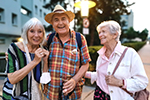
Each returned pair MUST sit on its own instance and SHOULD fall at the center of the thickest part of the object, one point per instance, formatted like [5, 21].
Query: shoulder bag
[35, 87]
[140, 95]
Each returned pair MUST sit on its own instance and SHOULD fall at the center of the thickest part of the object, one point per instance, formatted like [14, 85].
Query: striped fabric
[64, 63]
[17, 59]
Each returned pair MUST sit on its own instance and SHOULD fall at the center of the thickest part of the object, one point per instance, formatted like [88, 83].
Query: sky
[141, 19]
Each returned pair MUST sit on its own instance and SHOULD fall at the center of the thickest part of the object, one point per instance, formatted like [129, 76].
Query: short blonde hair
[29, 24]
[113, 27]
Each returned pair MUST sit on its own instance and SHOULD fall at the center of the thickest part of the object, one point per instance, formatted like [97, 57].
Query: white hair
[29, 24]
[113, 27]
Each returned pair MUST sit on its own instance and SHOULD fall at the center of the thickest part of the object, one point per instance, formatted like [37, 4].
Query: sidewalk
[88, 91]
[145, 56]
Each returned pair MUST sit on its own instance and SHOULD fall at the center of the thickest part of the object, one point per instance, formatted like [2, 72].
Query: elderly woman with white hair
[24, 66]
[130, 74]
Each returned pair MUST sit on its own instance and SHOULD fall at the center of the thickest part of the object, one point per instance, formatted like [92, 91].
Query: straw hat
[59, 9]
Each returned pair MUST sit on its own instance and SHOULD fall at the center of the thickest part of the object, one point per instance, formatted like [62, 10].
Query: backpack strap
[79, 42]
[78, 38]
[50, 39]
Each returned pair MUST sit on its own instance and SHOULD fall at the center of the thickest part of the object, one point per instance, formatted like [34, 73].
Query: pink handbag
[142, 95]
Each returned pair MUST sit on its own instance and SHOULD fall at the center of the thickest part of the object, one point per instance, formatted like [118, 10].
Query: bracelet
[122, 83]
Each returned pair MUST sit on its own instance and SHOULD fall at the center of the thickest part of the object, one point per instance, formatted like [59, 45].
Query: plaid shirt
[64, 63]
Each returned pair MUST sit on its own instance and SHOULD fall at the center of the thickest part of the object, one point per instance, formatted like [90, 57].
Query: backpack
[78, 38]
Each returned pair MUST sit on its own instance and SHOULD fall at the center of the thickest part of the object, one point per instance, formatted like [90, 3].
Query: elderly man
[65, 57]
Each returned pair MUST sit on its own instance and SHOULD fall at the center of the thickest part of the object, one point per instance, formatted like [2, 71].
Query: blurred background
[132, 15]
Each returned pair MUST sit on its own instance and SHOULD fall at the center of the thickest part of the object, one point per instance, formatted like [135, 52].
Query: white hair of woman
[29, 24]
[113, 27]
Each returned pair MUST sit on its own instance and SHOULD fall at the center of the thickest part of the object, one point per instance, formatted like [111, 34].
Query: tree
[143, 35]
[131, 33]
[53, 3]
[104, 10]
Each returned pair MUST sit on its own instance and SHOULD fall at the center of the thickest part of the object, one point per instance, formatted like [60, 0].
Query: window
[14, 19]
[40, 13]
[1, 15]
[44, 14]
[36, 9]
[25, 11]
[2, 41]
[44, 1]
[14, 40]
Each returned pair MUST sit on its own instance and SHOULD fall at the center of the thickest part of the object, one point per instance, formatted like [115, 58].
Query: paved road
[88, 91]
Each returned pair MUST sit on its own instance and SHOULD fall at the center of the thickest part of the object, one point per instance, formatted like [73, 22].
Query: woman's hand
[111, 80]
[18, 75]
[46, 55]
[6, 56]
[39, 54]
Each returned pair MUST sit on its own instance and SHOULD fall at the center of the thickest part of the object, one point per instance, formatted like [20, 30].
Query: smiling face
[35, 35]
[105, 36]
[60, 22]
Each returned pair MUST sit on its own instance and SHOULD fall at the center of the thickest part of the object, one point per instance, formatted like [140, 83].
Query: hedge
[2, 53]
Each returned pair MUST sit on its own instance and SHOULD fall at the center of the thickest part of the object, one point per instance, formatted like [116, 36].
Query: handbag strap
[27, 51]
[117, 65]
[119, 61]
[28, 56]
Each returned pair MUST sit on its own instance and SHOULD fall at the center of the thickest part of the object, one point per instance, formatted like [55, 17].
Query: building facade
[13, 15]
[128, 19]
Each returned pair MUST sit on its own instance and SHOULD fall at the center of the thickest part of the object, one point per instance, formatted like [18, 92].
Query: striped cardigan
[17, 59]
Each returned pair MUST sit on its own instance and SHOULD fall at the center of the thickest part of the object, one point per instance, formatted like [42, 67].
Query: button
[111, 91]
[110, 63]
[108, 73]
